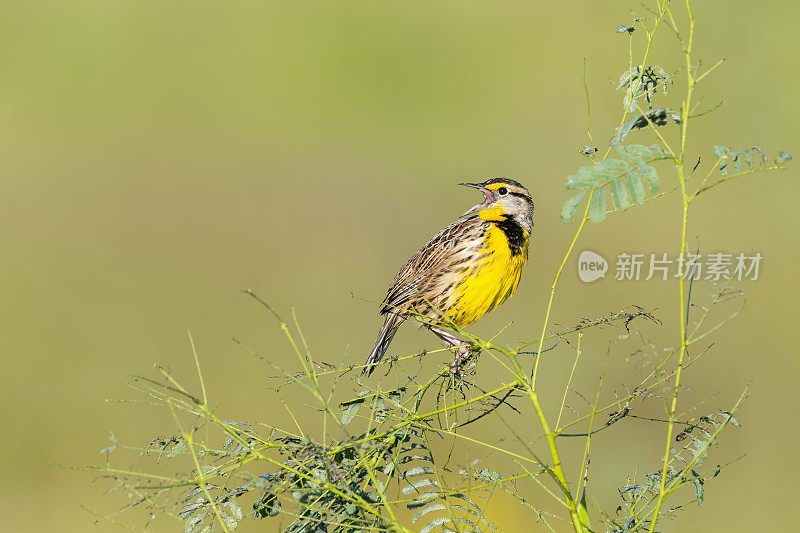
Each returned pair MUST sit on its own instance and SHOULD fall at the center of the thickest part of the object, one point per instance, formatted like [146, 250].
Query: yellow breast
[491, 280]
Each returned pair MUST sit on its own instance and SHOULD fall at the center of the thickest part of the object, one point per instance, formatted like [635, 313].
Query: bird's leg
[462, 348]
[447, 337]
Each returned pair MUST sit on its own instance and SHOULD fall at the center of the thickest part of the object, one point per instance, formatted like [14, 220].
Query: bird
[466, 270]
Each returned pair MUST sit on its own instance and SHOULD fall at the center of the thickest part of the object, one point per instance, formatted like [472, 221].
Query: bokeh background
[158, 156]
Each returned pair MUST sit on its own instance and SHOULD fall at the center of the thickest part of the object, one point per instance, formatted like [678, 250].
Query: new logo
[591, 266]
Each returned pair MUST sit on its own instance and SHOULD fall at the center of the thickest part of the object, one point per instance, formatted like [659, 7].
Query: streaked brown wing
[412, 280]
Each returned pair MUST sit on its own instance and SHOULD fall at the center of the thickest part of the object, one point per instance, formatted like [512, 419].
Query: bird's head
[504, 198]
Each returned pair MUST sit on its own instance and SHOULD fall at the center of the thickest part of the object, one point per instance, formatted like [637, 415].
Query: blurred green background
[158, 156]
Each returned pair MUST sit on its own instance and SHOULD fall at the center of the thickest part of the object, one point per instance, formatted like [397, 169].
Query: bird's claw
[463, 354]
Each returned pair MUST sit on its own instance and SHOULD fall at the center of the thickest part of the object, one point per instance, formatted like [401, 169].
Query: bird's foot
[455, 366]
[464, 355]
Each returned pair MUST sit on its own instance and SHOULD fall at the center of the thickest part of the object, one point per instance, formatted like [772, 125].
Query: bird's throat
[514, 232]
[492, 214]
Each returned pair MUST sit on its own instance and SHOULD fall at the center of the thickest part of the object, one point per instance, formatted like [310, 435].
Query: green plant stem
[557, 470]
[686, 200]
[578, 352]
[553, 290]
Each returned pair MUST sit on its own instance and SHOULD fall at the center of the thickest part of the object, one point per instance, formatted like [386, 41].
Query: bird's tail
[385, 337]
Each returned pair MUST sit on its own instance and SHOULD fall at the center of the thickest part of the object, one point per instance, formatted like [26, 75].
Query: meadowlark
[466, 270]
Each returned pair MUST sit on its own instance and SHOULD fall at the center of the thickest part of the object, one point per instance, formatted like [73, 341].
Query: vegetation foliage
[390, 466]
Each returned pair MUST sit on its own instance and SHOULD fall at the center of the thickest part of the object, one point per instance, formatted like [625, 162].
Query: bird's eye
[502, 190]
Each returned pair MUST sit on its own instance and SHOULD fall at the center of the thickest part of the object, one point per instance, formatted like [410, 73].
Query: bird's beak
[486, 192]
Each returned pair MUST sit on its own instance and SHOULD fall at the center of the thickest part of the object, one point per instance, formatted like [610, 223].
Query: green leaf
[379, 409]
[583, 179]
[436, 523]
[418, 486]
[660, 152]
[635, 153]
[659, 117]
[739, 157]
[699, 491]
[610, 169]
[762, 154]
[721, 151]
[583, 512]
[620, 194]
[268, 505]
[570, 207]
[635, 187]
[419, 471]
[488, 475]
[650, 176]
[731, 420]
[593, 176]
[178, 448]
[783, 157]
[350, 409]
[597, 205]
